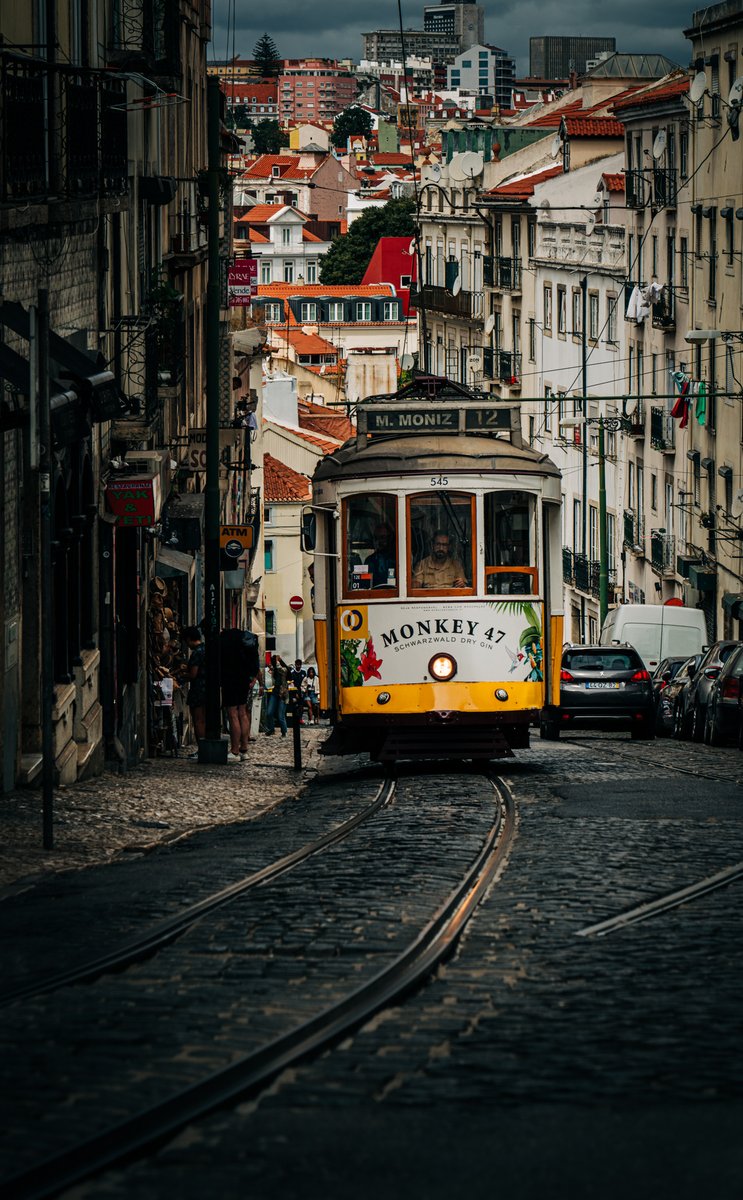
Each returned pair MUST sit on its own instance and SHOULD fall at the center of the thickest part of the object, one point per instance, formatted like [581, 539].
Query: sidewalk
[159, 801]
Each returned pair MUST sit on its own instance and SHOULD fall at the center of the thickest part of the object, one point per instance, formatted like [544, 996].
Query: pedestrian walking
[196, 675]
[311, 695]
[239, 665]
[276, 707]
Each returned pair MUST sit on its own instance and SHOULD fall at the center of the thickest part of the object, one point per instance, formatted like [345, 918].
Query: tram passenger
[440, 570]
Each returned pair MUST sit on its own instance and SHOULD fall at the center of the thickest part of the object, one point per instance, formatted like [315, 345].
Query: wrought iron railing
[662, 552]
[662, 429]
[665, 187]
[634, 530]
[438, 299]
[509, 368]
[508, 273]
[635, 189]
[664, 312]
[568, 570]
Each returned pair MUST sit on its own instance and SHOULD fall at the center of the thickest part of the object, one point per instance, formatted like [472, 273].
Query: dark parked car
[693, 700]
[722, 723]
[662, 676]
[676, 691]
[603, 687]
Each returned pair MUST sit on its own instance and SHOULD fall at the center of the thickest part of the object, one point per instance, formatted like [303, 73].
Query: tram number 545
[439, 481]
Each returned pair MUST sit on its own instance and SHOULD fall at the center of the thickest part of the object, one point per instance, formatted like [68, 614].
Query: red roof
[259, 214]
[521, 189]
[390, 158]
[307, 343]
[281, 484]
[550, 118]
[644, 97]
[328, 421]
[326, 444]
[613, 182]
[579, 126]
[288, 165]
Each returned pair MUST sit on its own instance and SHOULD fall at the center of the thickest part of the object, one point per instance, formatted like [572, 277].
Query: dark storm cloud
[334, 27]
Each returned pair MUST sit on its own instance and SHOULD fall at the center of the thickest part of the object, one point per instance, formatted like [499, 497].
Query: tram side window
[371, 542]
[440, 542]
[510, 558]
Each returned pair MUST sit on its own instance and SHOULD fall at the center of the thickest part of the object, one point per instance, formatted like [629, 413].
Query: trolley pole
[213, 748]
[584, 445]
[603, 561]
[296, 729]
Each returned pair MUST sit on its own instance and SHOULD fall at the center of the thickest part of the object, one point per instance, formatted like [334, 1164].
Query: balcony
[581, 572]
[488, 270]
[146, 36]
[662, 552]
[508, 274]
[468, 305]
[664, 312]
[662, 430]
[586, 575]
[568, 569]
[665, 187]
[636, 189]
[509, 368]
[634, 423]
[634, 531]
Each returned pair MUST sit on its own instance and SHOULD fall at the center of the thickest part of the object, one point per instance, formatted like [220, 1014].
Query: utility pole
[603, 560]
[212, 748]
[45, 558]
[584, 445]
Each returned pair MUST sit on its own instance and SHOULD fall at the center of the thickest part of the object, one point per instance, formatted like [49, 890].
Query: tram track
[644, 760]
[140, 1133]
[164, 933]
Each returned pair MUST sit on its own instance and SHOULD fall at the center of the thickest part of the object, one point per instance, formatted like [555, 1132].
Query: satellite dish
[456, 171]
[590, 223]
[735, 100]
[736, 506]
[736, 92]
[407, 361]
[433, 174]
[698, 87]
[659, 145]
[630, 406]
[456, 287]
[598, 199]
[490, 324]
[471, 164]
[556, 147]
[475, 364]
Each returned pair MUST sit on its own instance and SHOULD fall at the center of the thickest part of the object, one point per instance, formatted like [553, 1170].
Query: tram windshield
[440, 543]
[371, 542]
[510, 556]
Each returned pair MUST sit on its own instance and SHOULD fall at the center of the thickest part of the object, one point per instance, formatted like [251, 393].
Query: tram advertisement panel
[395, 643]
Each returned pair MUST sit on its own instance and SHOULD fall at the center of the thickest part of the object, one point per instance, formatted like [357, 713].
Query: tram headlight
[442, 667]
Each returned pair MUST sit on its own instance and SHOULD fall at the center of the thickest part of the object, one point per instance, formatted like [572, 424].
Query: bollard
[296, 729]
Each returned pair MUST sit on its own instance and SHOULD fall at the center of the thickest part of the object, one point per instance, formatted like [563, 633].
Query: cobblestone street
[163, 799]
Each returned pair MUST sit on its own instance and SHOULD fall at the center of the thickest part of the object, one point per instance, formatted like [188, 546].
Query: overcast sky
[333, 28]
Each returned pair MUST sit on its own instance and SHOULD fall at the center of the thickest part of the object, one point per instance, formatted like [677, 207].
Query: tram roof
[433, 452]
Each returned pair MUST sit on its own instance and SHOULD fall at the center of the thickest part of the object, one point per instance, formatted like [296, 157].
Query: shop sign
[242, 282]
[234, 540]
[229, 440]
[134, 501]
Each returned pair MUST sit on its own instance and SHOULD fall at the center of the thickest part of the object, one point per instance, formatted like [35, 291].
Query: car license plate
[603, 685]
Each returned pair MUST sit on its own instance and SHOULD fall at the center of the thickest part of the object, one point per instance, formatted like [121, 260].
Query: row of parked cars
[609, 687]
[701, 698]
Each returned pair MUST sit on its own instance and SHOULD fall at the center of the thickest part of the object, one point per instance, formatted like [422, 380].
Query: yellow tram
[438, 578]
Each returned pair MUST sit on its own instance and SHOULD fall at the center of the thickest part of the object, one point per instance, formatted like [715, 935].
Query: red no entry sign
[296, 604]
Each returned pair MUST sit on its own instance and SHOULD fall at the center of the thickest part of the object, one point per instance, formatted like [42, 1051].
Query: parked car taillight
[731, 688]
[565, 676]
[640, 677]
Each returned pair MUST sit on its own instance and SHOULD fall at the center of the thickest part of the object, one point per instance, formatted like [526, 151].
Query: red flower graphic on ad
[369, 662]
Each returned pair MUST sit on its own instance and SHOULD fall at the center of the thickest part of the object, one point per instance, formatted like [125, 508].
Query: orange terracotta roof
[259, 214]
[550, 117]
[255, 236]
[613, 182]
[326, 444]
[307, 343]
[310, 237]
[281, 484]
[580, 126]
[523, 188]
[319, 419]
[644, 97]
[389, 158]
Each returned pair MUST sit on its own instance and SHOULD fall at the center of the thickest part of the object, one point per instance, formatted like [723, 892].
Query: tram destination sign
[451, 419]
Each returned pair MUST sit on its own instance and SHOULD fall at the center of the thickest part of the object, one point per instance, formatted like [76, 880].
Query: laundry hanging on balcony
[700, 403]
[641, 301]
[680, 410]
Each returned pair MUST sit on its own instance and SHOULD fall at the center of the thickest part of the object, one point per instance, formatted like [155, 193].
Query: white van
[656, 631]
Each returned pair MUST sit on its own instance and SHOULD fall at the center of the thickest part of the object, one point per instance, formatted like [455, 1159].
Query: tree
[266, 57]
[353, 120]
[240, 118]
[267, 137]
[350, 254]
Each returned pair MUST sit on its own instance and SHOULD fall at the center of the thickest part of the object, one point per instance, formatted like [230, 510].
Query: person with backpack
[239, 665]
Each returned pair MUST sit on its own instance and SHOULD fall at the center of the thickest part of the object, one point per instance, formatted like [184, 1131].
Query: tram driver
[440, 569]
